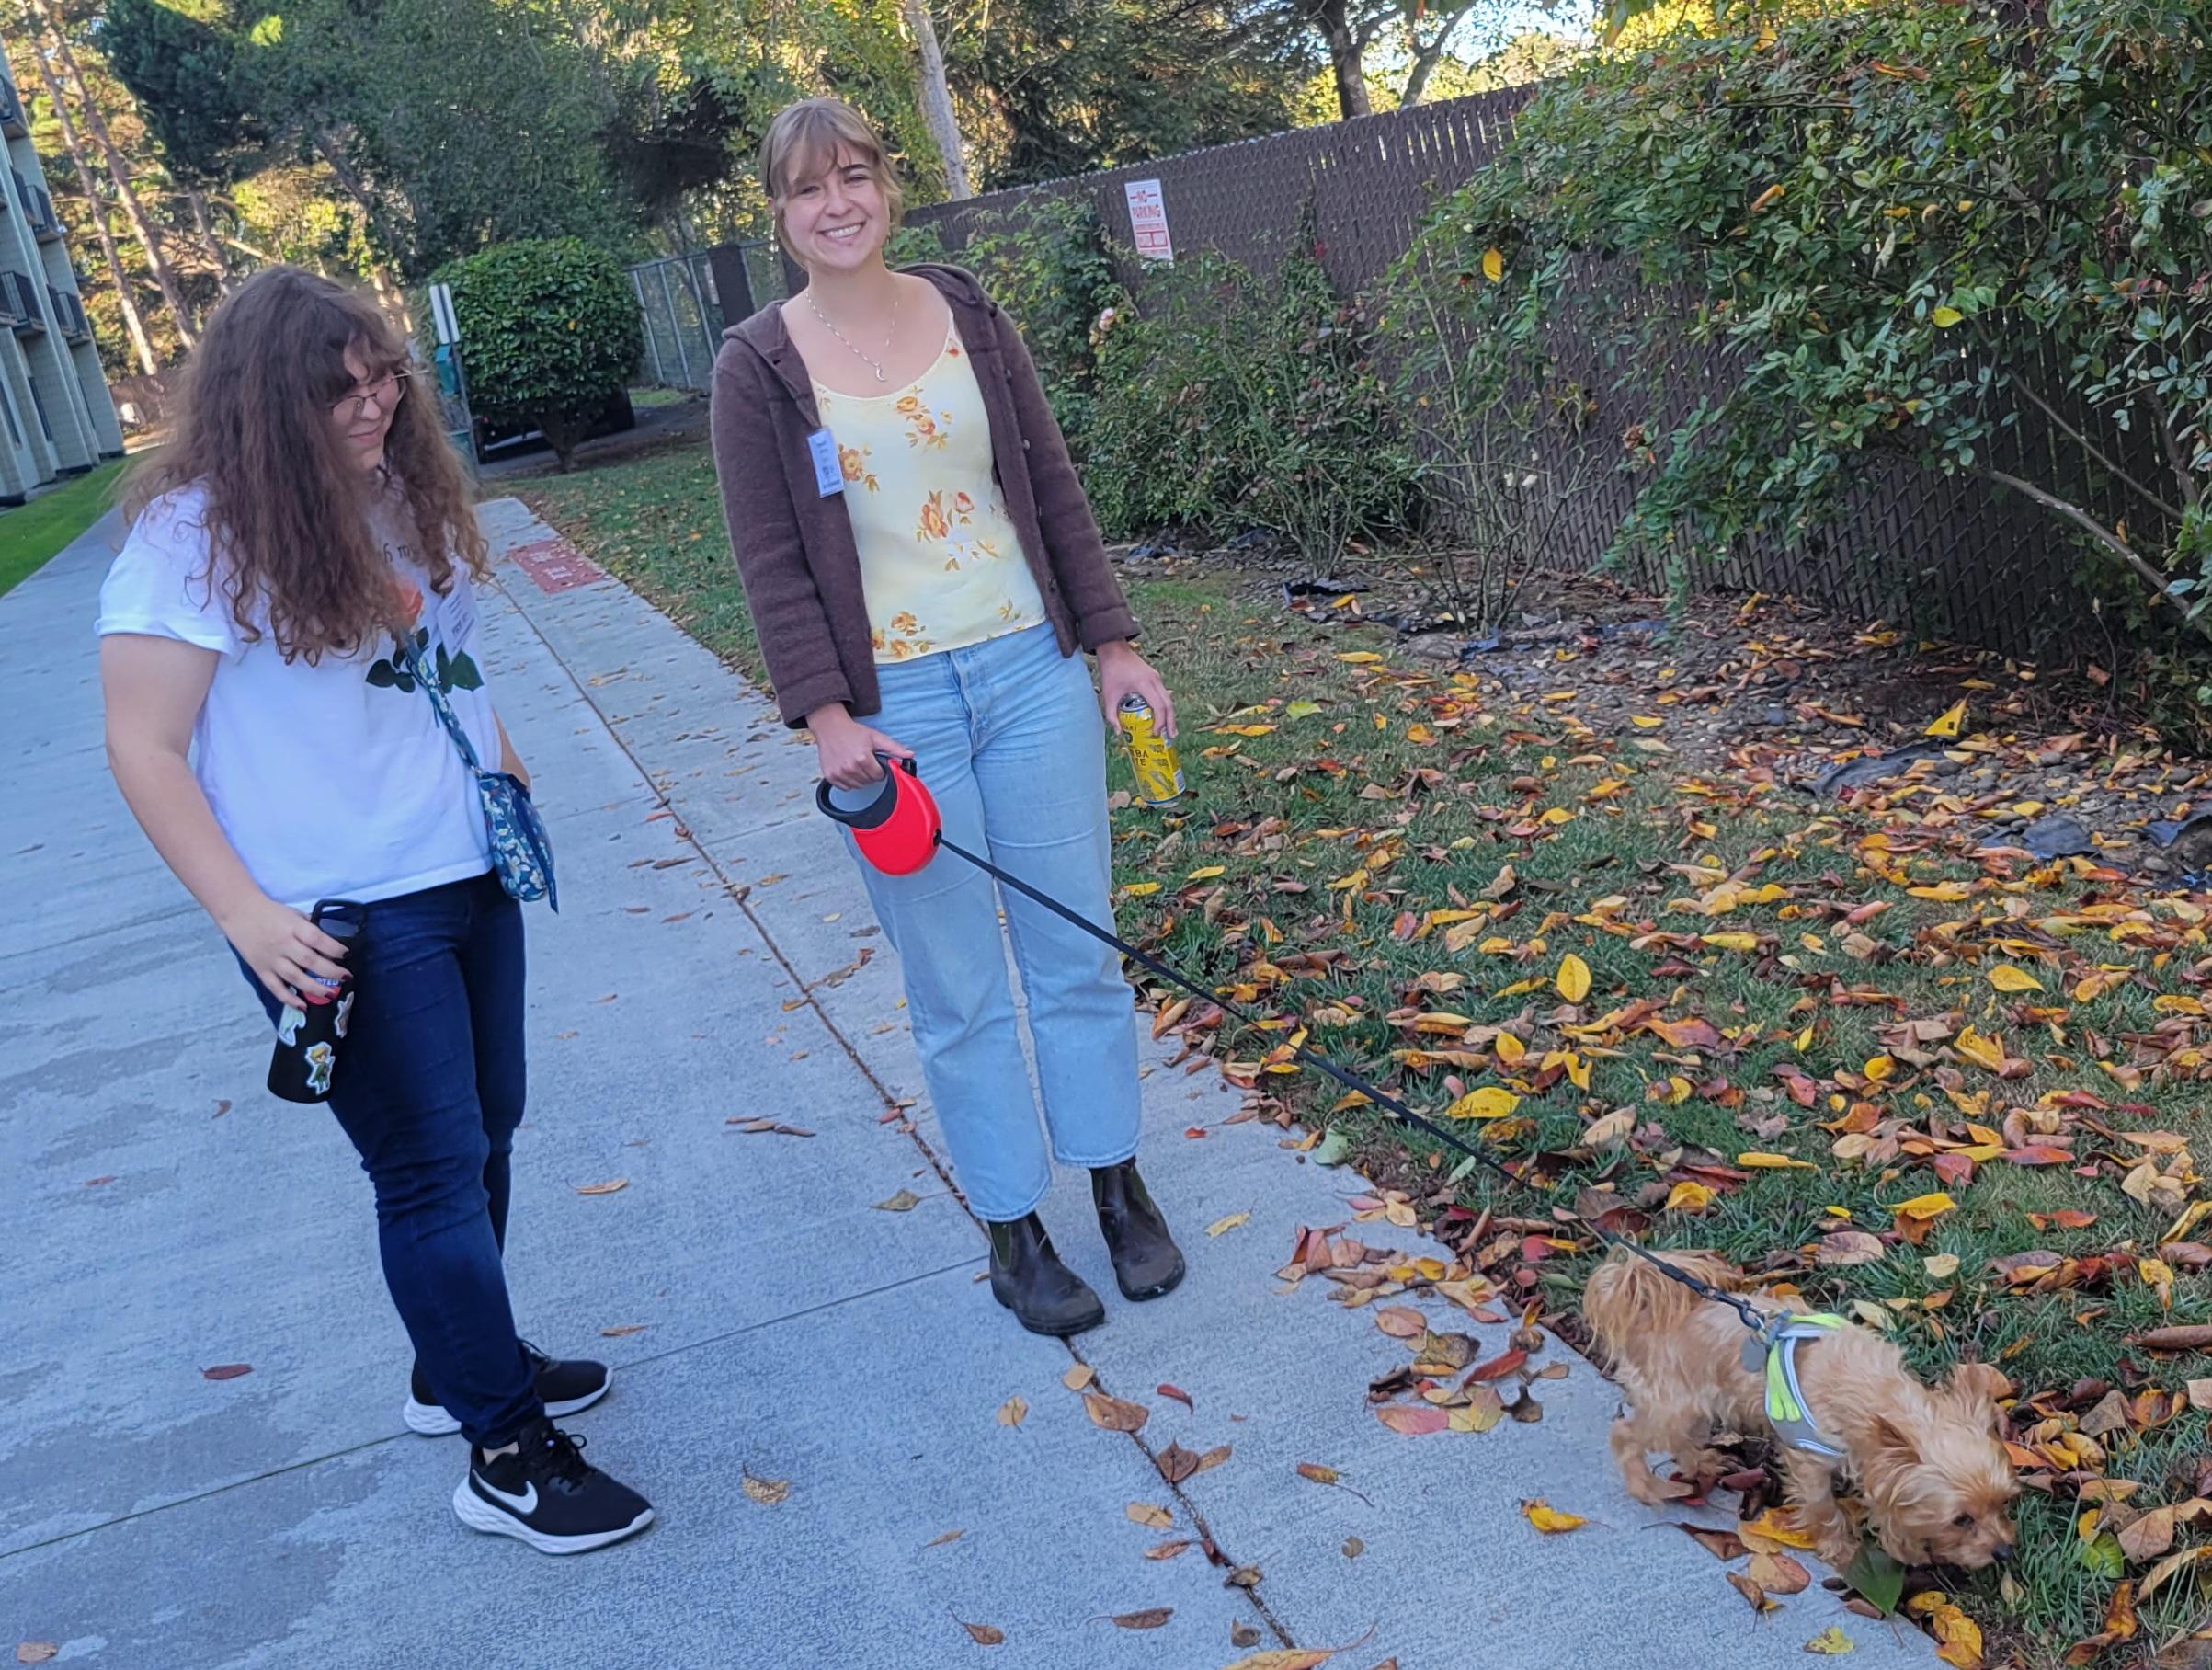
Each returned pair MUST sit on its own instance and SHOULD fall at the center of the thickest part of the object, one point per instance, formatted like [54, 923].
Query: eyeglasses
[385, 391]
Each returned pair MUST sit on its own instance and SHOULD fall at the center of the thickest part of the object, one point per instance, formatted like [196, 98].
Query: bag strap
[410, 659]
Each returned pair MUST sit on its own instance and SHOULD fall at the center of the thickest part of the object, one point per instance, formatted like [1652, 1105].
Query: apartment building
[56, 417]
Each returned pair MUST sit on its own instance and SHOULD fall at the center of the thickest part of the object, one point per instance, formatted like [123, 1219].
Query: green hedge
[550, 334]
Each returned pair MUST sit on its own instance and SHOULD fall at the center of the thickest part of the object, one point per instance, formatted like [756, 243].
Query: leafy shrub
[1046, 261]
[1970, 238]
[1228, 401]
[915, 241]
[549, 332]
[1508, 437]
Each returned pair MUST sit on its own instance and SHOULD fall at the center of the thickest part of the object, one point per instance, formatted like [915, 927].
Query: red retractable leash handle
[900, 830]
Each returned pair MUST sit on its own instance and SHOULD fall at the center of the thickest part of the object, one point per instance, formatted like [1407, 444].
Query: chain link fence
[683, 320]
[688, 300]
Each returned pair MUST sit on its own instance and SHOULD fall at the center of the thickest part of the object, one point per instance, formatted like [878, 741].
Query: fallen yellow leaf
[1947, 722]
[1549, 1519]
[1982, 1051]
[1691, 1197]
[1489, 1103]
[1573, 980]
[1223, 1225]
[1774, 1162]
[2006, 977]
[1925, 1206]
[1771, 1532]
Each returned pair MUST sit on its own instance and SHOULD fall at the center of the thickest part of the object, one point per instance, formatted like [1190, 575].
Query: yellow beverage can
[1160, 774]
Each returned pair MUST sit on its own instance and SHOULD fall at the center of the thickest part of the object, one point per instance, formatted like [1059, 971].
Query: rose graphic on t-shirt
[452, 671]
[407, 597]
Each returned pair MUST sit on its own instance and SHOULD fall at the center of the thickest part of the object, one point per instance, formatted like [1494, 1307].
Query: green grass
[32, 533]
[1340, 798]
[642, 398]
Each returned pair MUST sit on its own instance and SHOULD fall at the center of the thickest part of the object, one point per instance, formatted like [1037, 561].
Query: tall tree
[1347, 28]
[1057, 87]
[1426, 50]
[506, 150]
[936, 97]
[165, 277]
[134, 326]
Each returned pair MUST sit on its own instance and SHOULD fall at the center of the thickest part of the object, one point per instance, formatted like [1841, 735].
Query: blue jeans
[430, 1087]
[1007, 736]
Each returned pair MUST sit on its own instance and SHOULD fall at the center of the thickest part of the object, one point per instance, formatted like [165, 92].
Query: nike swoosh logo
[526, 1503]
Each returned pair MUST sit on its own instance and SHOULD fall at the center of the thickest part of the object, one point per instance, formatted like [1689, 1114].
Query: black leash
[1345, 1076]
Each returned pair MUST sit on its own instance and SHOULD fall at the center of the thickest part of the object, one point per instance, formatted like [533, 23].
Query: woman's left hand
[1123, 673]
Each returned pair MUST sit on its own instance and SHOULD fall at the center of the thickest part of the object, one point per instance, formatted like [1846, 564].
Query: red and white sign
[555, 564]
[1148, 221]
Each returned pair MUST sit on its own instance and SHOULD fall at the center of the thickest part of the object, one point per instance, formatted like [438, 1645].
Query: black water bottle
[306, 1057]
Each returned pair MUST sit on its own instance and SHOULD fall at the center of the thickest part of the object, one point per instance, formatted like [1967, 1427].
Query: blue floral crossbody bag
[522, 852]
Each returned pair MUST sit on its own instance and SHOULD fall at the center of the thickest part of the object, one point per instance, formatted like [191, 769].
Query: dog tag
[830, 474]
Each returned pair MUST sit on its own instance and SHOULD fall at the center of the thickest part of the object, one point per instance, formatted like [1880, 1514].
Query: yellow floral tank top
[940, 562]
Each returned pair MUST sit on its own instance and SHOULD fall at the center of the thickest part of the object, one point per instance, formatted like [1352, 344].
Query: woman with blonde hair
[294, 712]
[922, 569]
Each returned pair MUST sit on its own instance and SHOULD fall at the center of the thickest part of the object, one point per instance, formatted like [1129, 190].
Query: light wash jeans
[1007, 736]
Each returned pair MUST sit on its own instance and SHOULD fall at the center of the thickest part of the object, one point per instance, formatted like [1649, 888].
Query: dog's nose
[2002, 1554]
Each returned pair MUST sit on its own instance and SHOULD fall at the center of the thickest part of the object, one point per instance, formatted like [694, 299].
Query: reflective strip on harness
[1785, 1403]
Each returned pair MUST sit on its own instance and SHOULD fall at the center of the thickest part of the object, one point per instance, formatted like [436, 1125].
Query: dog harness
[1776, 1346]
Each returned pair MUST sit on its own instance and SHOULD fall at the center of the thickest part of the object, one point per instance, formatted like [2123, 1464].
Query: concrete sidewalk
[809, 1388]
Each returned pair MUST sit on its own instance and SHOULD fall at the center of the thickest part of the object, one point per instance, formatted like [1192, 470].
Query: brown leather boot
[1147, 1262]
[1029, 1279]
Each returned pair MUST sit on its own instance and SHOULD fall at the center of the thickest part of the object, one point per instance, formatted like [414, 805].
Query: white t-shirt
[332, 781]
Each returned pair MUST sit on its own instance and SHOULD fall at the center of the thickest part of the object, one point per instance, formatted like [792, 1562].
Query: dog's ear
[1896, 1445]
[1980, 1380]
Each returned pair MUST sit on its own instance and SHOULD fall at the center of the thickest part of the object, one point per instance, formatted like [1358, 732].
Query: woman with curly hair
[298, 572]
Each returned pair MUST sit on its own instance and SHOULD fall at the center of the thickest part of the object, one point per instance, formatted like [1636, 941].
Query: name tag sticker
[829, 475]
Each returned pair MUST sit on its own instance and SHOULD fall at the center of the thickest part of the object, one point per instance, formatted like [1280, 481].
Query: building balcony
[15, 121]
[38, 207]
[19, 302]
[69, 314]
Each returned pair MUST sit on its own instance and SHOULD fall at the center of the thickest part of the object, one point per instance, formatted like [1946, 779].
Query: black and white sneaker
[564, 1386]
[546, 1495]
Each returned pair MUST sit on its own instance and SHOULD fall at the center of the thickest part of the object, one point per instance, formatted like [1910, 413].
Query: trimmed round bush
[549, 333]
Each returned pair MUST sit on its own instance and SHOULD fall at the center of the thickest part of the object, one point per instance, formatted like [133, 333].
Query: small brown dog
[1934, 1478]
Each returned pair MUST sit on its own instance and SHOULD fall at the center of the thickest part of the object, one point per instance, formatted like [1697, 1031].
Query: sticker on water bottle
[830, 474]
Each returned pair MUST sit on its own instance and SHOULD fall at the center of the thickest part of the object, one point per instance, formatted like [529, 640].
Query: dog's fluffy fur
[1935, 1481]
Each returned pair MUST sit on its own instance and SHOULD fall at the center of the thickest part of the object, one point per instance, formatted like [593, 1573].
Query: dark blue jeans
[429, 1088]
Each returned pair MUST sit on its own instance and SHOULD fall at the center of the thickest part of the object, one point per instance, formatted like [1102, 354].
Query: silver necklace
[859, 353]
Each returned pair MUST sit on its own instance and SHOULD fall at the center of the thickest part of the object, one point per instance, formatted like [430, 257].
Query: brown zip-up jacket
[794, 544]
